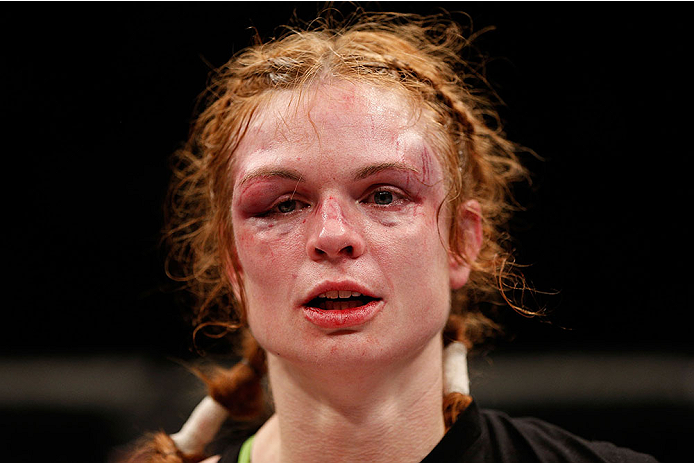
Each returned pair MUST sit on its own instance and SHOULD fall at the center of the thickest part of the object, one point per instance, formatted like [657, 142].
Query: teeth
[339, 294]
[338, 305]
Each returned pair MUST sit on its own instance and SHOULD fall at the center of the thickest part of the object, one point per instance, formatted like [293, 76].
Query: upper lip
[337, 286]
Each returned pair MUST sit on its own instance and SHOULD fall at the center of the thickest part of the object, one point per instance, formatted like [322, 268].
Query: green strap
[245, 452]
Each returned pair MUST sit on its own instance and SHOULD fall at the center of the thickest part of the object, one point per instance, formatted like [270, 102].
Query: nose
[332, 236]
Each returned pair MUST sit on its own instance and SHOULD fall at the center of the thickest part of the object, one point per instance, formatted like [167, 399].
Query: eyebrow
[267, 172]
[374, 169]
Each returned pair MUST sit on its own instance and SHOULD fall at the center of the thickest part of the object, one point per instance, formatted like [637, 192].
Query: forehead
[338, 121]
[335, 103]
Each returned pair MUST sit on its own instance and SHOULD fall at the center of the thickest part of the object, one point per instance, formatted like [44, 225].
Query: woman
[340, 200]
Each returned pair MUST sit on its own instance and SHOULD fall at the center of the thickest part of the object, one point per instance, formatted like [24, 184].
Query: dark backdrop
[95, 97]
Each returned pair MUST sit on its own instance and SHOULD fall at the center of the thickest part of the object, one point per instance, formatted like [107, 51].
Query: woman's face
[336, 230]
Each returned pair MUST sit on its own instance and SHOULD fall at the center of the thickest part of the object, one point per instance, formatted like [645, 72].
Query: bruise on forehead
[428, 165]
[426, 158]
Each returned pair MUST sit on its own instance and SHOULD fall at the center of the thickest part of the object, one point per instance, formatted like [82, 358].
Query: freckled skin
[336, 231]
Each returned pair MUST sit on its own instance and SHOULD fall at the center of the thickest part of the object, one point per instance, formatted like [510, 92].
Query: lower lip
[347, 318]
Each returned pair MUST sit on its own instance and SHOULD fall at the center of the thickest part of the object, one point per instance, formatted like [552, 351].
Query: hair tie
[201, 427]
[455, 371]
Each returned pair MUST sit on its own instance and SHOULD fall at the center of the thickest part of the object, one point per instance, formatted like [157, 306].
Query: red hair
[415, 56]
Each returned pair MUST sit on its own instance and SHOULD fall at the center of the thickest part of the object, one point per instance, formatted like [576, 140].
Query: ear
[469, 223]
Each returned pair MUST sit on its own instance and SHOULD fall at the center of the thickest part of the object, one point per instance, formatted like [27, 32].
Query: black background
[96, 97]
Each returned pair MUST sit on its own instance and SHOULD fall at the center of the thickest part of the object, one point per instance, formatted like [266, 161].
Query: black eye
[286, 206]
[383, 197]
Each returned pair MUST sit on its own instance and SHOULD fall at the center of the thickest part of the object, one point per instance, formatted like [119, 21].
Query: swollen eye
[286, 206]
[383, 197]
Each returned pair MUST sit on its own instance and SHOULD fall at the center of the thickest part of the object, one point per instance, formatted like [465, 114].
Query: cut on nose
[335, 238]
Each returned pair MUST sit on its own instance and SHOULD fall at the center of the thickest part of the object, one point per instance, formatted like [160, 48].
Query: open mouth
[339, 300]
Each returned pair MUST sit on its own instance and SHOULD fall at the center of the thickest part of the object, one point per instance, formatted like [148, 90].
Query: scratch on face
[426, 166]
[301, 176]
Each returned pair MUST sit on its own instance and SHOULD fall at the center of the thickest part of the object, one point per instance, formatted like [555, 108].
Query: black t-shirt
[485, 436]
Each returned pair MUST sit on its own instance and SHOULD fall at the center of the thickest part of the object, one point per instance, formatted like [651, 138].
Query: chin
[351, 350]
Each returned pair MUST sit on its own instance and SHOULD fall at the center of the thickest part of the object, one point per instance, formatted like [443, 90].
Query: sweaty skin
[339, 191]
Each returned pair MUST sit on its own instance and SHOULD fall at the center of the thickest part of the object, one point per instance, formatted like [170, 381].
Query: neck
[374, 413]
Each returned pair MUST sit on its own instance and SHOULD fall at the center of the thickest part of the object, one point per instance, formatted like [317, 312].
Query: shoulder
[530, 439]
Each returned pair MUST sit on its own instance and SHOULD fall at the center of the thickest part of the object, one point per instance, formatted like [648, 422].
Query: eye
[386, 196]
[286, 207]
[383, 198]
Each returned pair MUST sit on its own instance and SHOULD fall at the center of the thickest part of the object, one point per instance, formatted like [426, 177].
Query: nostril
[345, 251]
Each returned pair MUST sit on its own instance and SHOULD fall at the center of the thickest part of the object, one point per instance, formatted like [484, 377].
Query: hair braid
[239, 388]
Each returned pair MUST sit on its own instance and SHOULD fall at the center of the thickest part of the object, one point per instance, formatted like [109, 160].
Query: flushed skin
[327, 159]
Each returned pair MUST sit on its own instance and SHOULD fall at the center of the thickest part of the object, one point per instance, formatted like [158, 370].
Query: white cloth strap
[455, 374]
[201, 427]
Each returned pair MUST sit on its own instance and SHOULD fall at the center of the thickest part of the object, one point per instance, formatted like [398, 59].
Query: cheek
[269, 262]
[252, 251]
[259, 248]
[414, 258]
[269, 259]
[415, 239]
[417, 271]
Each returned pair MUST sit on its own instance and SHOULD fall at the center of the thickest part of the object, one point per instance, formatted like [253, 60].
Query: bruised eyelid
[266, 184]
[262, 194]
